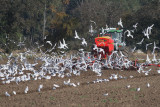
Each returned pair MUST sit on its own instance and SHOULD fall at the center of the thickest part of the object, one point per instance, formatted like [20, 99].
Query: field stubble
[87, 94]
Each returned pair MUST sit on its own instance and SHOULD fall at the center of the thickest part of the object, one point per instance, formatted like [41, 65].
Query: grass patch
[52, 98]
[83, 96]
[104, 101]
[79, 105]
[142, 95]
[3, 56]
[33, 103]
[133, 89]
[136, 97]
[113, 100]
[116, 87]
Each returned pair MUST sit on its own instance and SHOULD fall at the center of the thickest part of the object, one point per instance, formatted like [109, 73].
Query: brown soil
[87, 94]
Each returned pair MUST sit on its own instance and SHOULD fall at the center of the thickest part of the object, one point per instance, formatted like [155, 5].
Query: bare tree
[44, 22]
[100, 11]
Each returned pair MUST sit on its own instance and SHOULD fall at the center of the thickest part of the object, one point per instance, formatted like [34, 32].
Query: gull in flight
[106, 26]
[150, 28]
[140, 69]
[95, 47]
[101, 50]
[141, 42]
[135, 26]
[45, 37]
[20, 44]
[84, 42]
[133, 49]
[146, 72]
[49, 42]
[93, 22]
[148, 45]
[76, 35]
[155, 48]
[154, 58]
[63, 45]
[52, 48]
[91, 29]
[129, 33]
[148, 59]
[147, 31]
[120, 23]
[102, 31]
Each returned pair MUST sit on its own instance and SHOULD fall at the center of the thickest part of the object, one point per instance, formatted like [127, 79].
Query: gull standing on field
[55, 85]
[106, 94]
[138, 89]
[158, 71]
[76, 35]
[148, 85]
[40, 87]
[128, 86]
[26, 90]
[120, 23]
[67, 82]
[14, 92]
[7, 94]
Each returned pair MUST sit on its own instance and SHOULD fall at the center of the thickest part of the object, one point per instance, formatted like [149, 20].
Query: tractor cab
[109, 40]
[116, 35]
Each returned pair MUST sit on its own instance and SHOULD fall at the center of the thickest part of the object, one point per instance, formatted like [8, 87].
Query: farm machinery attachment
[111, 51]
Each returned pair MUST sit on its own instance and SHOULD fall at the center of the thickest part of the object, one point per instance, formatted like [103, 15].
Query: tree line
[37, 21]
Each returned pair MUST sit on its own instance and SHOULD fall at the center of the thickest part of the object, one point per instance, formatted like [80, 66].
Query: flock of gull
[18, 68]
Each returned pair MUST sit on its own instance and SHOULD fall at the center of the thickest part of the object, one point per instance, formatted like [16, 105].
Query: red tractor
[109, 41]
